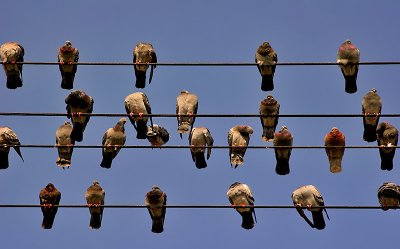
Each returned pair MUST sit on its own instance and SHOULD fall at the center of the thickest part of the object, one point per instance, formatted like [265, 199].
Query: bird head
[50, 186]
[95, 183]
[373, 90]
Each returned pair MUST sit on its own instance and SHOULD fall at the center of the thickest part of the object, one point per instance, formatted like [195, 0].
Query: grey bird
[67, 54]
[199, 138]
[269, 106]
[347, 57]
[283, 138]
[371, 105]
[113, 139]
[309, 196]
[95, 198]
[238, 139]
[64, 144]
[10, 53]
[138, 104]
[186, 104]
[335, 155]
[8, 137]
[266, 60]
[239, 194]
[157, 135]
[389, 195]
[143, 53]
[49, 197]
[155, 201]
[387, 137]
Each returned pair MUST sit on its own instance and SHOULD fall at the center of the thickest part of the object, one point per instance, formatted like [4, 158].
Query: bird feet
[93, 205]
[77, 114]
[47, 205]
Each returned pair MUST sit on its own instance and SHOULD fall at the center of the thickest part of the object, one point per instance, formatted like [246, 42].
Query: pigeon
[371, 105]
[49, 196]
[157, 135]
[239, 194]
[387, 137]
[266, 60]
[283, 138]
[95, 198]
[269, 106]
[238, 139]
[348, 57]
[66, 56]
[8, 137]
[309, 196]
[64, 144]
[78, 102]
[186, 104]
[10, 53]
[113, 139]
[389, 195]
[200, 137]
[143, 53]
[138, 104]
[335, 138]
[155, 201]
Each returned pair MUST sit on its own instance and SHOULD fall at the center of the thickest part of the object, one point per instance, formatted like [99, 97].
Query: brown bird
[113, 139]
[155, 201]
[239, 194]
[49, 196]
[186, 104]
[283, 138]
[95, 198]
[8, 137]
[238, 139]
[200, 137]
[266, 60]
[66, 56]
[389, 195]
[269, 106]
[10, 53]
[138, 104]
[387, 137]
[157, 135]
[347, 57]
[371, 105]
[335, 138]
[143, 53]
[64, 145]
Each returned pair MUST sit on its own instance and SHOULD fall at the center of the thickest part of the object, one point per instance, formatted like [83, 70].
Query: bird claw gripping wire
[47, 205]
[77, 114]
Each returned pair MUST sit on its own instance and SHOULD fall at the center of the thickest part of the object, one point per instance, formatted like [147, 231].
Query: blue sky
[199, 31]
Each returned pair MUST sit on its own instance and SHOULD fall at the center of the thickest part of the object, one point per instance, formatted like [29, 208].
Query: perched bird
[138, 104]
[143, 53]
[64, 144]
[269, 106]
[66, 56]
[10, 53]
[200, 137]
[157, 135]
[113, 139]
[266, 60]
[94, 198]
[186, 104]
[49, 196]
[347, 57]
[239, 194]
[335, 138]
[238, 138]
[78, 102]
[387, 137]
[389, 195]
[309, 196]
[155, 201]
[7, 137]
[371, 105]
[283, 138]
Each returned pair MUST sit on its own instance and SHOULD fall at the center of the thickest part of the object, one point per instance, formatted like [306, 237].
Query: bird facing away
[283, 138]
[138, 104]
[78, 102]
[143, 53]
[200, 137]
[49, 196]
[10, 53]
[387, 137]
[371, 105]
[309, 196]
[67, 54]
[239, 194]
[347, 57]
[266, 60]
[269, 106]
[64, 145]
[186, 104]
[335, 138]
[8, 137]
[389, 195]
[238, 138]
[157, 135]
[113, 139]
[155, 201]
[94, 198]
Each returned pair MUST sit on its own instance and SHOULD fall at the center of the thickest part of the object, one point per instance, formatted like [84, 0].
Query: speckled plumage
[200, 136]
[239, 194]
[7, 137]
[266, 59]
[186, 104]
[283, 138]
[387, 137]
[143, 53]
[11, 52]
[95, 195]
[348, 54]
[389, 195]
[113, 139]
[371, 105]
[155, 201]
[67, 54]
[239, 138]
[49, 196]
[137, 103]
[269, 106]
[63, 138]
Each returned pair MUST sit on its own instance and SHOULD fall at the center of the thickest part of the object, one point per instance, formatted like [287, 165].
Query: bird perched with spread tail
[64, 144]
[10, 53]
[371, 105]
[239, 194]
[283, 138]
[138, 104]
[186, 104]
[7, 138]
[387, 137]
[67, 55]
[309, 196]
[389, 195]
[198, 139]
[143, 53]
[238, 139]
[112, 141]
[335, 155]
[157, 135]
[78, 102]
[348, 57]
[155, 201]
[95, 198]
[49, 197]
[269, 106]
[266, 60]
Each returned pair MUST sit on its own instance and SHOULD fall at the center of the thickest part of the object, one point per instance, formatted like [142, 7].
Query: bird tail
[141, 129]
[369, 133]
[350, 83]
[247, 220]
[14, 81]
[318, 218]
[107, 160]
[268, 134]
[63, 162]
[157, 225]
[48, 220]
[282, 166]
[95, 220]
[387, 160]
[267, 83]
[77, 132]
[4, 160]
[140, 79]
[335, 164]
[236, 160]
[200, 161]
[67, 81]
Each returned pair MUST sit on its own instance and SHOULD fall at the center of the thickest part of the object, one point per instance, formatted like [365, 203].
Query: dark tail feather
[14, 81]
[140, 79]
[157, 226]
[247, 220]
[67, 81]
[268, 133]
[350, 84]
[141, 129]
[4, 160]
[200, 161]
[267, 83]
[318, 218]
[18, 150]
[282, 167]
[48, 220]
[95, 221]
[107, 160]
[386, 163]
[369, 133]
[77, 132]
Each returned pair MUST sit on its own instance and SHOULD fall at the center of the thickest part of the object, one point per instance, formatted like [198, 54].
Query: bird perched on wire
[283, 138]
[95, 198]
[186, 104]
[335, 155]
[387, 137]
[138, 104]
[269, 106]
[49, 197]
[7, 138]
[64, 144]
[143, 53]
[157, 135]
[238, 139]
[198, 139]
[389, 195]
[348, 57]
[67, 54]
[155, 201]
[10, 53]
[239, 194]
[371, 105]
[112, 141]
[266, 60]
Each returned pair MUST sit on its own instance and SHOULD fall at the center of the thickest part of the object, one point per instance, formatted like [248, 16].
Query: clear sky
[199, 31]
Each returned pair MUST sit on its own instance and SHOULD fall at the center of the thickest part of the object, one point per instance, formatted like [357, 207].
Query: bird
[269, 106]
[155, 201]
[186, 104]
[266, 60]
[95, 198]
[389, 195]
[387, 137]
[371, 105]
[283, 138]
[7, 138]
[10, 53]
[138, 104]
[239, 194]
[157, 135]
[348, 57]
[309, 196]
[64, 144]
[199, 138]
[78, 102]
[335, 155]
[67, 54]
[238, 139]
[143, 53]
[49, 196]
[113, 139]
